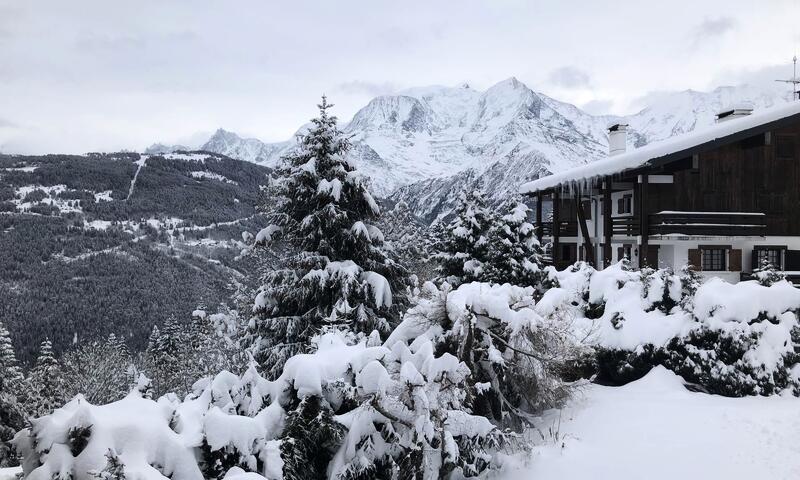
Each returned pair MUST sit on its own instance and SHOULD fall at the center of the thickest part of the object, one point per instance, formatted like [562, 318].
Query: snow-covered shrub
[731, 339]
[344, 411]
[766, 274]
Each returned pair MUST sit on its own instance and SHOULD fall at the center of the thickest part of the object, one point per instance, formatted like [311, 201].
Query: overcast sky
[78, 76]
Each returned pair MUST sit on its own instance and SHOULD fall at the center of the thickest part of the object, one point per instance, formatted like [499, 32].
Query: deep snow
[656, 429]
[9, 473]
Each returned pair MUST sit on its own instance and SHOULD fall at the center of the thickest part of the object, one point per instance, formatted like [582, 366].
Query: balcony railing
[625, 226]
[708, 223]
[566, 229]
[724, 224]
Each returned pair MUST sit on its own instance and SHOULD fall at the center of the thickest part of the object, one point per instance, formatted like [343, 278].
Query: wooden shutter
[791, 261]
[694, 259]
[620, 207]
[735, 260]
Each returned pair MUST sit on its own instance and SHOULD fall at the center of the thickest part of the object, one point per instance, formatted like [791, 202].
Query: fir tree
[99, 370]
[12, 416]
[767, 274]
[464, 245]
[513, 255]
[10, 372]
[336, 272]
[45, 386]
[114, 469]
[310, 439]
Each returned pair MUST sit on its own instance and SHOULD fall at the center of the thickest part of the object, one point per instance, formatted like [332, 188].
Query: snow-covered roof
[642, 156]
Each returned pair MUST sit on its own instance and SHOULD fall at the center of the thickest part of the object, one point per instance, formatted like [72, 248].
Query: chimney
[737, 111]
[617, 138]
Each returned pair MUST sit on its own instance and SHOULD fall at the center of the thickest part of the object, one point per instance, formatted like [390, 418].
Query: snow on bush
[732, 339]
[434, 400]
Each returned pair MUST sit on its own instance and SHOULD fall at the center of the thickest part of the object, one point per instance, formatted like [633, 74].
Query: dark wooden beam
[556, 200]
[643, 223]
[587, 241]
[539, 198]
[607, 226]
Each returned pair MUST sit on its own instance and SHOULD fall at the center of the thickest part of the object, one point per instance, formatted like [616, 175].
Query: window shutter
[620, 203]
[735, 260]
[694, 259]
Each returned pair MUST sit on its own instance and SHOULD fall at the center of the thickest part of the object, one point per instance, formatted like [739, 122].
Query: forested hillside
[117, 243]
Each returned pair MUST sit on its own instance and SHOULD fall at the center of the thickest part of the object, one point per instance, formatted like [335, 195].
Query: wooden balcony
[628, 226]
[566, 229]
[708, 224]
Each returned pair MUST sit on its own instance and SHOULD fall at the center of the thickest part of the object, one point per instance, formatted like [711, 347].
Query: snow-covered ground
[656, 429]
[9, 473]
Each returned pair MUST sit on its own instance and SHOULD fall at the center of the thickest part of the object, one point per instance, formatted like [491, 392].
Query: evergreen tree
[464, 245]
[336, 272]
[310, 440]
[513, 255]
[114, 469]
[45, 386]
[12, 416]
[767, 274]
[99, 370]
[407, 238]
[10, 372]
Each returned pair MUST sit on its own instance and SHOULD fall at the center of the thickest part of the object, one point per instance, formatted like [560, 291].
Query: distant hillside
[118, 242]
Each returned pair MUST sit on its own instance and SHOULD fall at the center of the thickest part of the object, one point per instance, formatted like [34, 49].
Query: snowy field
[9, 473]
[655, 429]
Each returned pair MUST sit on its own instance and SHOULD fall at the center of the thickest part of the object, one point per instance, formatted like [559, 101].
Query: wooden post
[587, 240]
[556, 227]
[643, 223]
[607, 225]
[539, 232]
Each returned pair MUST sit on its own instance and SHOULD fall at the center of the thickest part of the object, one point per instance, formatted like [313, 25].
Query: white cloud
[98, 75]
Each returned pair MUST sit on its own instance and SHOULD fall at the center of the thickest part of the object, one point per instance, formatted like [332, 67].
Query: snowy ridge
[438, 138]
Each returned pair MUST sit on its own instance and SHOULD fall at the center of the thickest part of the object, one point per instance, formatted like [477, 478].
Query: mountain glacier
[424, 145]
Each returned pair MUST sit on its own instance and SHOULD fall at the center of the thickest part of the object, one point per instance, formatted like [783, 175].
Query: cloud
[361, 87]
[712, 28]
[598, 107]
[7, 123]
[569, 77]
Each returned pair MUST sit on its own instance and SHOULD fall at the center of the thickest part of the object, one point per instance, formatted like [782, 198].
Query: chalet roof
[667, 150]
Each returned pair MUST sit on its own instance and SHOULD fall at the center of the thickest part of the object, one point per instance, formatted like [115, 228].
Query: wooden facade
[743, 185]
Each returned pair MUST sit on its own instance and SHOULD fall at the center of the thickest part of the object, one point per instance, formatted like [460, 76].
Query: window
[772, 255]
[625, 204]
[713, 259]
[784, 146]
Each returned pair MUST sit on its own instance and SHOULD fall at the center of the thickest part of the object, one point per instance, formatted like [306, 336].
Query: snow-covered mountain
[248, 149]
[422, 145]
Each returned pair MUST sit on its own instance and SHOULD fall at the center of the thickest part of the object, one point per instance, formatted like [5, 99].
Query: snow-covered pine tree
[99, 370]
[167, 358]
[766, 274]
[310, 439]
[12, 415]
[513, 254]
[45, 387]
[463, 245]
[336, 272]
[114, 469]
[152, 360]
[10, 372]
[407, 237]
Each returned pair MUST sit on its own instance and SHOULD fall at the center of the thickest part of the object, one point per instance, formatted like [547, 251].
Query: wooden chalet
[720, 199]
